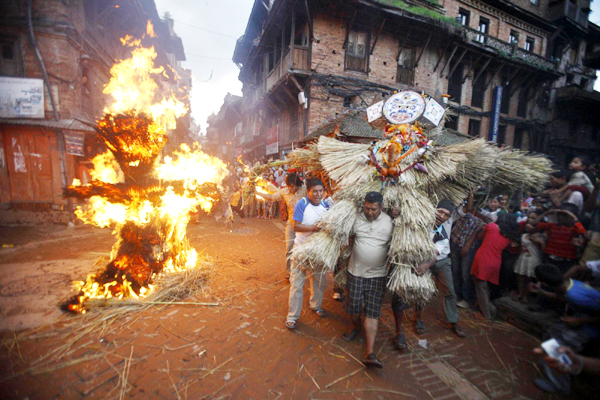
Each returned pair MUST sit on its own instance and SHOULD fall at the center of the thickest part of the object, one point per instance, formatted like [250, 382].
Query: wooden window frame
[473, 122]
[467, 16]
[483, 22]
[530, 44]
[407, 71]
[367, 52]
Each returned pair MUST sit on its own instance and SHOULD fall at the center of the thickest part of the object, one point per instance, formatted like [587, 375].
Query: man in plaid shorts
[367, 272]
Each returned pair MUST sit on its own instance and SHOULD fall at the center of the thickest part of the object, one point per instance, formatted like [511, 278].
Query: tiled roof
[450, 136]
[352, 123]
[69, 124]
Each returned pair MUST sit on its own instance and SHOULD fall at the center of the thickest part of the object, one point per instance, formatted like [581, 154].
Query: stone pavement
[241, 349]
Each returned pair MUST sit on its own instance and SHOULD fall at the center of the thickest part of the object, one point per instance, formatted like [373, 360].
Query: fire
[150, 29]
[145, 197]
[258, 184]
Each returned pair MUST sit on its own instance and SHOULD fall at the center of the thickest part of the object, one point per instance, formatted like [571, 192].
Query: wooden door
[29, 165]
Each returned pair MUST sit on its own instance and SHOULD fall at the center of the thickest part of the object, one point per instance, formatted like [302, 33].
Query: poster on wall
[74, 143]
[21, 98]
[272, 140]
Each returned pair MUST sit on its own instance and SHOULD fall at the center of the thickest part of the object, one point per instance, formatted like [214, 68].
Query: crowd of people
[242, 196]
[542, 250]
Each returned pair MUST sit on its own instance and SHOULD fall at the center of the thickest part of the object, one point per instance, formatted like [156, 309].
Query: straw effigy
[452, 172]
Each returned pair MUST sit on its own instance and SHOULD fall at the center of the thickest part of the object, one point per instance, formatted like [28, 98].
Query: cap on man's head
[446, 204]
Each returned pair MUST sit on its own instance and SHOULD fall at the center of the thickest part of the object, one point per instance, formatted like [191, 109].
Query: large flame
[147, 200]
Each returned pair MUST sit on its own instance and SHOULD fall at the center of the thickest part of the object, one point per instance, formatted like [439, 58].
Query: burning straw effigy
[146, 197]
[413, 174]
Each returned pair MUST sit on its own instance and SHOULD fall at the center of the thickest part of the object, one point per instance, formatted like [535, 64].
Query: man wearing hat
[441, 269]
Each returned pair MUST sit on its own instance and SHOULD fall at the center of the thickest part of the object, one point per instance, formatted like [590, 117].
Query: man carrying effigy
[367, 272]
[308, 212]
[413, 172]
[441, 269]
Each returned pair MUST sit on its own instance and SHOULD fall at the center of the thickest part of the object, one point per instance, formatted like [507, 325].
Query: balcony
[300, 62]
[509, 51]
[571, 94]
[568, 9]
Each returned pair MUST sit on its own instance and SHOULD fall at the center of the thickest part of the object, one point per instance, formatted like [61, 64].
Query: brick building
[224, 129]
[337, 55]
[76, 42]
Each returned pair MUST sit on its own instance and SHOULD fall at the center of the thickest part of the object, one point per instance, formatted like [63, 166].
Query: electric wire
[206, 30]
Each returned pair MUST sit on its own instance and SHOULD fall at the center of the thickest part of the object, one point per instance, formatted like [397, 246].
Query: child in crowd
[561, 192]
[578, 168]
[493, 209]
[488, 259]
[532, 245]
[560, 250]
[515, 208]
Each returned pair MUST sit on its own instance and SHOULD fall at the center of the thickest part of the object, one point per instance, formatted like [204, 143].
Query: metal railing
[508, 50]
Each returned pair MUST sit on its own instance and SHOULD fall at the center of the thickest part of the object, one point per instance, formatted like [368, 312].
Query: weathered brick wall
[328, 58]
[501, 23]
[59, 58]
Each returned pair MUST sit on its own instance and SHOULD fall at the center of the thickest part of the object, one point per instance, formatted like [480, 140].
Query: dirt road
[239, 349]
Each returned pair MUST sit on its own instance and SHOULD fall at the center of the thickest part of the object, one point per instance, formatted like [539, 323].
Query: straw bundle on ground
[167, 288]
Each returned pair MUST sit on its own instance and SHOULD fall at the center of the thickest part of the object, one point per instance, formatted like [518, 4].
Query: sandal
[458, 330]
[419, 327]
[320, 312]
[372, 361]
[400, 342]
[291, 325]
[350, 336]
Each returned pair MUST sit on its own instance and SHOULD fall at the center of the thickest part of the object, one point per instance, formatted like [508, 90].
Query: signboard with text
[272, 140]
[21, 98]
[74, 143]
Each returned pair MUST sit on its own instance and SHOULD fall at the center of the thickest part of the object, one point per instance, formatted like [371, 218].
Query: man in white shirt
[367, 272]
[441, 269]
[307, 213]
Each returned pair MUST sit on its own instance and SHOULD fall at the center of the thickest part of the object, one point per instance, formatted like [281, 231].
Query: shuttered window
[357, 50]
